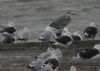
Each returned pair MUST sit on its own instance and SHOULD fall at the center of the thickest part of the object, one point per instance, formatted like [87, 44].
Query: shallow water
[37, 14]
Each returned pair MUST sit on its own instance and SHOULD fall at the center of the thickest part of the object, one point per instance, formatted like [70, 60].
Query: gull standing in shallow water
[23, 35]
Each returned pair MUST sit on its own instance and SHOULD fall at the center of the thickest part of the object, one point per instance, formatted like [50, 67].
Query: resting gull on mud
[48, 53]
[8, 33]
[48, 35]
[8, 40]
[64, 39]
[77, 36]
[9, 30]
[47, 63]
[41, 58]
[90, 31]
[37, 63]
[52, 63]
[23, 35]
[93, 53]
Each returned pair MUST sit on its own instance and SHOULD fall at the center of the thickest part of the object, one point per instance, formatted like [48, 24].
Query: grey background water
[37, 14]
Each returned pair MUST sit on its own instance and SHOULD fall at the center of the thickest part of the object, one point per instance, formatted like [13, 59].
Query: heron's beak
[71, 13]
[74, 14]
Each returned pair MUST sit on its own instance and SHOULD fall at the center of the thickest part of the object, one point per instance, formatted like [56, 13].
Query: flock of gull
[58, 34]
[9, 34]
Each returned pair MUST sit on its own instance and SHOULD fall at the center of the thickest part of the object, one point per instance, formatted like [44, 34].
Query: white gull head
[77, 33]
[92, 24]
[66, 32]
[11, 24]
